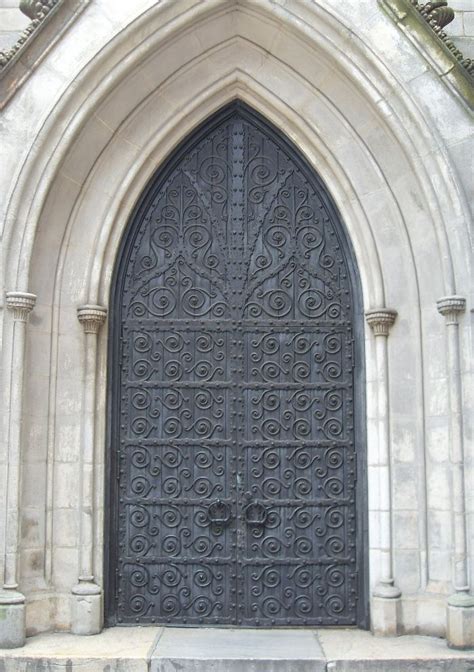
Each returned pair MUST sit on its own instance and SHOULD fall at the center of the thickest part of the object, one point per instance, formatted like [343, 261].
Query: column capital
[21, 304]
[91, 317]
[380, 320]
[450, 306]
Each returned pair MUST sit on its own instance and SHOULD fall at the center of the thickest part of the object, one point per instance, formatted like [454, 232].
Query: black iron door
[234, 446]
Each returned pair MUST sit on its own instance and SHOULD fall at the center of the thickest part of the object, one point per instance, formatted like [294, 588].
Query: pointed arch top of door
[236, 403]
[256, 118]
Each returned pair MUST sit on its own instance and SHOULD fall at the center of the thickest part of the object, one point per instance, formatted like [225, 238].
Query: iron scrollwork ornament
[255, 517]
[236, 459]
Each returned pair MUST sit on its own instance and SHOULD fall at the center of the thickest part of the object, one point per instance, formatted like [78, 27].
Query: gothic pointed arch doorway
[236, 489]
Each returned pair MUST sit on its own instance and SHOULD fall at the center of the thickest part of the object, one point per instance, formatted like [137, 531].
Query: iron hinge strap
[117, 577]
[117, 470]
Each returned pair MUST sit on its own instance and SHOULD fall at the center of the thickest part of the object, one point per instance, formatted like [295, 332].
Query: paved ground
[227, 650]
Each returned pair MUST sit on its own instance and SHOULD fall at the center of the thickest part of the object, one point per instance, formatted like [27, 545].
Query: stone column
[87, 595]
[386, 596]
[460, 609]
[12, 601]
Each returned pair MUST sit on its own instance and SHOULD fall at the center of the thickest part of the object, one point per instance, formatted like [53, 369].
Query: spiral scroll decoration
[235, 456]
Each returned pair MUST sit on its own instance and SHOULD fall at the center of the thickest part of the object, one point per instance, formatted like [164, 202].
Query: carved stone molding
[438, 15]
[460, 613]
[91, 317]
[86, 604]
[21, 304]
[424, 25]
[380, 320]
[450, 307]
[34, 9]
[386, 594]
[12, 602]
[19, 61]
[37, 12]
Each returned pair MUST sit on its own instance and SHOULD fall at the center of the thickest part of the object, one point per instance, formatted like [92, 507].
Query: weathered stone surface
[386, 614]
[460, 626]
[393, 665]
[114, 650]
[12, 625]
[361, 652]
[202, 650]
[86, 617]
[228, 650]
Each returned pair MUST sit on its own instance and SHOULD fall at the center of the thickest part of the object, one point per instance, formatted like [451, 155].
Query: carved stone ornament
[91, 317]
[450, 306]
[437, 12]
[380, 320]
[438, 15]
[21, 304]
[37, 12]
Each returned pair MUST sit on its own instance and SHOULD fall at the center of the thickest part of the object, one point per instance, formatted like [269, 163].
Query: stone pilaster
[386, 595]
[12, 601]
[460, 607]
[87, 595]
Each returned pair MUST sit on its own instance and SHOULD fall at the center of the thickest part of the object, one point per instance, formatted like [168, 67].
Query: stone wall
[462, 28]
[391, 140]
[12, 22]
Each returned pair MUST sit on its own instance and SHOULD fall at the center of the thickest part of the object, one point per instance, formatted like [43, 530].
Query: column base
[86, 609]
[460, 621]
[386, 613]
[12, 620]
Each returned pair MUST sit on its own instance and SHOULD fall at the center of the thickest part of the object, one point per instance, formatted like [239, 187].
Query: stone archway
[122, 102]
[236, 362]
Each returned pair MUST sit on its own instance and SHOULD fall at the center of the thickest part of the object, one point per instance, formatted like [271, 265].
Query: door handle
[255, 514]
[219, 514]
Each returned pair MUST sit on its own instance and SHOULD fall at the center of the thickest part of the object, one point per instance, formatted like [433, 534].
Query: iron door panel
[235, 453]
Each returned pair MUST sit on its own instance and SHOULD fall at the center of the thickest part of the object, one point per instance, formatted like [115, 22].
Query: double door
[234, 457]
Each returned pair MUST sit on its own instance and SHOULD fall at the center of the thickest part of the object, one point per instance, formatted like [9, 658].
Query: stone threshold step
[169, 649]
